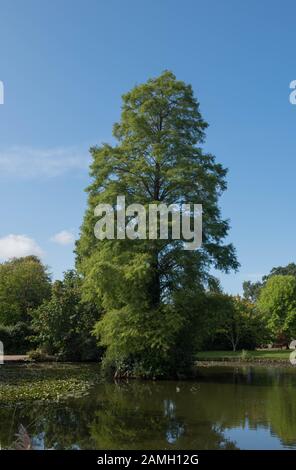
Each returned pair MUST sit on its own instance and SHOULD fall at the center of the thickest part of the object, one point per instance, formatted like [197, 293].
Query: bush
[40, 356]
[64, 324]
[148, 344]
[234, 323]
[16, 338]
[245, 355]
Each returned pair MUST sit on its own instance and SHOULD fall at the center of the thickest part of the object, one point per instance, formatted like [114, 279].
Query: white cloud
[16, 246]
[63, 238]
[27, 162]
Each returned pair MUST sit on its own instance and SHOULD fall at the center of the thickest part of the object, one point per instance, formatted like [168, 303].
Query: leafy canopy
[277, 303]
[232, 322]
[24, 285]
[157, 159]
[252, 289]
[64, 324]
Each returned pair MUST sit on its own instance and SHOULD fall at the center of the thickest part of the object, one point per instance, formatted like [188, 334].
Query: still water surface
[225, 408]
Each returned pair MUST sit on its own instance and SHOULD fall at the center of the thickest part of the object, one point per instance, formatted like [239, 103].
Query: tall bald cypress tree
[151, 290]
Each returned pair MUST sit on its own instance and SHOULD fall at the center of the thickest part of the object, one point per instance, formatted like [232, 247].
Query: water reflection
[226, 408]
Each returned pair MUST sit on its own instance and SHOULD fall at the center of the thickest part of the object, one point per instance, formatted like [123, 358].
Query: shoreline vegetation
[58, 381]
[263, 356]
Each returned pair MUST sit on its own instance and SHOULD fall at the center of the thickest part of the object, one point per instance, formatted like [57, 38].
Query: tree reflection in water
[165, 415]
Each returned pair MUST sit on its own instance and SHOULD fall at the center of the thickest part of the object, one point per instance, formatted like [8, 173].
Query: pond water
[224, 408]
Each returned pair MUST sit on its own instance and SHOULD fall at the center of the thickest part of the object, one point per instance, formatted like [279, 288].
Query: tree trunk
[155, 282]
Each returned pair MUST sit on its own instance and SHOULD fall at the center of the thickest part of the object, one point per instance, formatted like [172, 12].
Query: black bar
[134, 459]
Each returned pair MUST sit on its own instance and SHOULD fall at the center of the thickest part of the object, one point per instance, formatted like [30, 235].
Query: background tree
[289, 270]
[64, 324]
[252, 289]
[277, 303]
[139, 283]
[236, 322]
[233, 323]
[24, 285]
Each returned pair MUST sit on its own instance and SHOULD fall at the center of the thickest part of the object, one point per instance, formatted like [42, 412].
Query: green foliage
[152, 343]
[143, 285]
[277, 303]
[145, 340]
[24, 285]
[38, 355]
[63, 325]
[289, 270]
[16, 338]
[245, 355]
[252, 289]
[233, 322]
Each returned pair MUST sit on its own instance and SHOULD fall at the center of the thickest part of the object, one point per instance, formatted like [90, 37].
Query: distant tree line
[36, 313]
[56, 319]
[275, 298]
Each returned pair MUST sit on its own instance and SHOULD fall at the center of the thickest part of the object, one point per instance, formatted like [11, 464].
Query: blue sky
[65, 65]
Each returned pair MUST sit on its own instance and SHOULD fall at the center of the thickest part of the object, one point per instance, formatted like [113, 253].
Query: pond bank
[237, 363]
[17, 358]
[258, 357]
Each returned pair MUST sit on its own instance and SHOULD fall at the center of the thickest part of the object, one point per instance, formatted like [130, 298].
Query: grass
[263, 355]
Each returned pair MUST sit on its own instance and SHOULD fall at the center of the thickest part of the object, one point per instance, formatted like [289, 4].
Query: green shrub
[148, 344]
[16, 338]
[39, 355]
[245, 355]
[63, 325]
